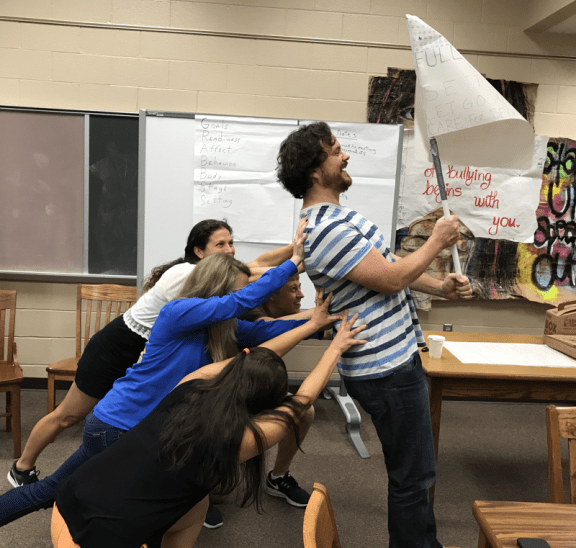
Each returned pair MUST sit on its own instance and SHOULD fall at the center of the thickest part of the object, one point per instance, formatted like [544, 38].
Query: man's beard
[338, 182]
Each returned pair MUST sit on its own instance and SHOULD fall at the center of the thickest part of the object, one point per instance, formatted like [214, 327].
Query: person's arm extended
[277, 256]
[207, 372]
[320, 320]
[269, 260]
[282, 344]
[274, 430]
[196, 313]
[257, 271]
[454, 286]
[302, 315]
[273, 258]
[378, 274]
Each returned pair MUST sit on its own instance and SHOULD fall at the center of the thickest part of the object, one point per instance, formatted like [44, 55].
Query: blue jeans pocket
[98, 435]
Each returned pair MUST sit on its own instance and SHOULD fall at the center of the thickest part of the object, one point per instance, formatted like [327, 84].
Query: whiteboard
[171, 183]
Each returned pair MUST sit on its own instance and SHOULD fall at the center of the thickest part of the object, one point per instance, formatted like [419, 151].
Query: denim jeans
[399, 407]
[18, 502]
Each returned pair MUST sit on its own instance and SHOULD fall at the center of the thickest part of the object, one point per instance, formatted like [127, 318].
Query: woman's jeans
[400, 410]
[18, 502]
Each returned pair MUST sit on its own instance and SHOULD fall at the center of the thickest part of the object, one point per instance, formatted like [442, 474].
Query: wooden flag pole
[443, 197]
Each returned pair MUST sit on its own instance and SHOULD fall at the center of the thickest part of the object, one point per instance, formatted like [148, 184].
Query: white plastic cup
[435, 345]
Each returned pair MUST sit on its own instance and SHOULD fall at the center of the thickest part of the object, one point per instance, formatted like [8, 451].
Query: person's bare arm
[257, 271]
[454, 286]
[207, 372]
[302, 315]
[269, 260]
[273, 258]
[273, 430]
[376, 273]
[321, 319]
[294, 251]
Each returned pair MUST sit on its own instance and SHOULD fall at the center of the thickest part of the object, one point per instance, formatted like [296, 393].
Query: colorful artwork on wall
[547, 268]
[542, 270]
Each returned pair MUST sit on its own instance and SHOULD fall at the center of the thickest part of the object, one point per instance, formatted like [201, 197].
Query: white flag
[473, 124]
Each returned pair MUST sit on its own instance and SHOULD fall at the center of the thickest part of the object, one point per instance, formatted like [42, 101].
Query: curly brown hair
[300, 154]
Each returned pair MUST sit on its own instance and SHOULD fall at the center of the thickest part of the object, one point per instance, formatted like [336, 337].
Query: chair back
[561, 423]
[319, 523]
[102, 303]
[7, 322]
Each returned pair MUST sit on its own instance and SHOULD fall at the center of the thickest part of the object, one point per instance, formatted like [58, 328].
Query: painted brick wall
[73, 66]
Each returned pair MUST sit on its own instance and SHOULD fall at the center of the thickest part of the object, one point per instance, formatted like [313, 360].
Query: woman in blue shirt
[189, 333]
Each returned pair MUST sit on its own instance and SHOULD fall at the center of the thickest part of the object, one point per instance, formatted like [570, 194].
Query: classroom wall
[126, 55]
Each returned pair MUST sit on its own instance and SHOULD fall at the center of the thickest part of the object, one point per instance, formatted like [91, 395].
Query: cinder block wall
[125, 55]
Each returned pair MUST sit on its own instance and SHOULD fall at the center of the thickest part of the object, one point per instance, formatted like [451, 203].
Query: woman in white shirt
[119, 344]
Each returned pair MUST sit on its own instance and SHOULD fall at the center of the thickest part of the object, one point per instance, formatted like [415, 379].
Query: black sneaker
[287, 487]
[18, 478]
[213, 518]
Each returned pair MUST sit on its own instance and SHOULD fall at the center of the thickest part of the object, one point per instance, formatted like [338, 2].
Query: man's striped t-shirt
[338, 239]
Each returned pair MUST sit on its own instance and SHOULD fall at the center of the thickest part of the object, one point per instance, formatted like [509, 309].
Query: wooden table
[449, 378]
[501, 523]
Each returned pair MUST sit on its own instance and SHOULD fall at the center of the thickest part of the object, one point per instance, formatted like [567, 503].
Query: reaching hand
[321, 316]
[344, 338]
[299, 239]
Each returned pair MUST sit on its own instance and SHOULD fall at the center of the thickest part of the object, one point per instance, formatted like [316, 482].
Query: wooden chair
[561, 423]
[319, 524]
[10, 372]
[105, 294]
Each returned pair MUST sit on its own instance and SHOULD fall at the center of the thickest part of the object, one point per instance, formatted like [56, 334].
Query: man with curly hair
[347, 255]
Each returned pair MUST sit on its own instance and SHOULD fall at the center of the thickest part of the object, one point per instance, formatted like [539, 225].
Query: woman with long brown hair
[118, 345]
[188, 334]
[208, 433]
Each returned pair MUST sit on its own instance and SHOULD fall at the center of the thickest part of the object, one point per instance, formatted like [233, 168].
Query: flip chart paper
[235, 177]
[473, 124]
[498, 203]
[538, 355]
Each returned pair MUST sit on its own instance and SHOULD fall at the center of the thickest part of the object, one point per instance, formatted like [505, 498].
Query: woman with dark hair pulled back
[119, 344]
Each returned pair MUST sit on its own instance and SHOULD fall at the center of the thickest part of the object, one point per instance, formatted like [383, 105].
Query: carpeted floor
[487, 451]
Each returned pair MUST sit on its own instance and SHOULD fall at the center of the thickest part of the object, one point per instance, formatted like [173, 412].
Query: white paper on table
[473, 124]
[498, 203]
[538, 355]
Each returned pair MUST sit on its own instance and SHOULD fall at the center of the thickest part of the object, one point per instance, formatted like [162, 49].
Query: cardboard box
[563, 343]
[561, 320]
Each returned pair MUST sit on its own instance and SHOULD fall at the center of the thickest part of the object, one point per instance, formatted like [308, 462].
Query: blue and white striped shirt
[339, 238]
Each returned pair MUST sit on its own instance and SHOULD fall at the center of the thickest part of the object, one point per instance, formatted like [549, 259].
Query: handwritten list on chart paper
[235, 177]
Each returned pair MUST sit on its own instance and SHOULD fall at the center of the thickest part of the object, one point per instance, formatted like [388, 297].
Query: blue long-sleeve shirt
[177, 346]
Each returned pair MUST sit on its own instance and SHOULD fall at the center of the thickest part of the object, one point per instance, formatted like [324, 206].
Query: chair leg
[482, 540]
[51, 393]
[9, 411]
[16, 422]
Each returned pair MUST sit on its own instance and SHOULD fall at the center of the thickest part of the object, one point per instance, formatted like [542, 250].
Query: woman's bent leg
[73, 409]
[21, 501]
[185, 531]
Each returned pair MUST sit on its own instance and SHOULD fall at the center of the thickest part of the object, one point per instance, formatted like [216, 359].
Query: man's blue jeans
[18, 502]
[400, 410]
